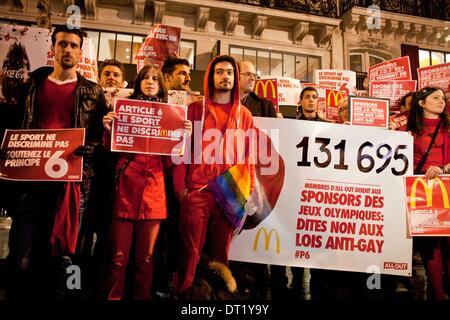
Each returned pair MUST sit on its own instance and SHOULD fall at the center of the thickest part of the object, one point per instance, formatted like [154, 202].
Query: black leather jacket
[90, 106]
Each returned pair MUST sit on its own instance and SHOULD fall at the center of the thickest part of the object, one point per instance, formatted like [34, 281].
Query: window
[124, 47]
[430, 58]
[187, 51]
[279, 64]
[107, 46]
[361, 61]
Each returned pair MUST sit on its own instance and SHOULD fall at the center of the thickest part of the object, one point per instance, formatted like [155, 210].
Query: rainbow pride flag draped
[231, 191]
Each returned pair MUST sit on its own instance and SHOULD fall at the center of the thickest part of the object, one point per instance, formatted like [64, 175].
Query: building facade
[289, 38]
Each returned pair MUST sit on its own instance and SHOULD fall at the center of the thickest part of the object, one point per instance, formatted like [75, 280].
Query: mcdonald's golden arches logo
[267, 237]
[334, 97]
[264, 85]
[428, 187]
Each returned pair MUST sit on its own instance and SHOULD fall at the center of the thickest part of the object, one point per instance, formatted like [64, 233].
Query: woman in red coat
[139, 202]
[427, 112]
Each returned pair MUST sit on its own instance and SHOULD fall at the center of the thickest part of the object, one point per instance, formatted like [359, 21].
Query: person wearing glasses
[259, 107]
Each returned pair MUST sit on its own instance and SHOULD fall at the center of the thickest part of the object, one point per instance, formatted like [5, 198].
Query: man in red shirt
[40, 239]
[203, 224]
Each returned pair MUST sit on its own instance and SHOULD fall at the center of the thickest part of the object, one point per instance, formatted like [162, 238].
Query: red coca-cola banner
[42, 155]
[148, 127]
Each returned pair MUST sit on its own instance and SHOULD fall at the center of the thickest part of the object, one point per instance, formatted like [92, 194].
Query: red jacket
[196, 175]
[140, 192]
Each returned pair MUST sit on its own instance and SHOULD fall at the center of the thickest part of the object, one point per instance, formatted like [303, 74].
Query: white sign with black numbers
[340, 202]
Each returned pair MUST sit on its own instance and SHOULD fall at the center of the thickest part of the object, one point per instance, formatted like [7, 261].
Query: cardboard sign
[369, 112]
[396, 69]
[42, 155]
[148, 127]
[428, 205]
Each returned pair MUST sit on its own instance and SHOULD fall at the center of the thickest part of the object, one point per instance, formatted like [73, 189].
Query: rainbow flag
[231, 191]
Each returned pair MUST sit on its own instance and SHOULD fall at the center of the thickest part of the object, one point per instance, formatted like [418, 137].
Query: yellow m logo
[337, 97]
[267, 237]
[428, 188]
[264, 84]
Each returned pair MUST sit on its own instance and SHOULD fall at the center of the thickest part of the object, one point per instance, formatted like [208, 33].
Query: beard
[67, 63]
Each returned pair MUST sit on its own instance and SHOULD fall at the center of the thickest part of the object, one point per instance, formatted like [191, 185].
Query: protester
[429, 123]
[54, 98]
[176, 73]
[112, 74]
[139, 203]
[406, 101]
[203, 224]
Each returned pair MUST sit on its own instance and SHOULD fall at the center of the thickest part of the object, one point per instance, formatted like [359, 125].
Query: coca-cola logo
[18, 74]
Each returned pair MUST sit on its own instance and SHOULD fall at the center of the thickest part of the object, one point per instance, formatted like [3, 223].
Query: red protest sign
[393, 90]
[399, 121]
[268, 89]
[148, 127]
[369, 112]
[42, 155]
[396, 69]
[161, 42]
[428, 205]
[435, 76]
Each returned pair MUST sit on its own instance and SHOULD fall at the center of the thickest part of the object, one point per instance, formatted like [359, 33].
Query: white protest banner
[337, 80]
[340, 202]
[24, 49]
[42, 155]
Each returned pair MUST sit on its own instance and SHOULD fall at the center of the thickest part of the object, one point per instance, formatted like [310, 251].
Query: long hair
[415, 118]
[162, 92]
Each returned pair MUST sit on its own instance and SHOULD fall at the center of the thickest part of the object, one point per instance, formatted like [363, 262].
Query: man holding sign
[47, 218]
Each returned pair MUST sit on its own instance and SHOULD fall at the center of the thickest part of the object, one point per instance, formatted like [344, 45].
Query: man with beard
[177, 76]
[41, 243]
[204, 227]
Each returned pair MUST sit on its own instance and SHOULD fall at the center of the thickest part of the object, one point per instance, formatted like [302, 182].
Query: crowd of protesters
[143, 226]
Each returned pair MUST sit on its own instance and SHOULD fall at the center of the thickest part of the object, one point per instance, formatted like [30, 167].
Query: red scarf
[65, 230]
